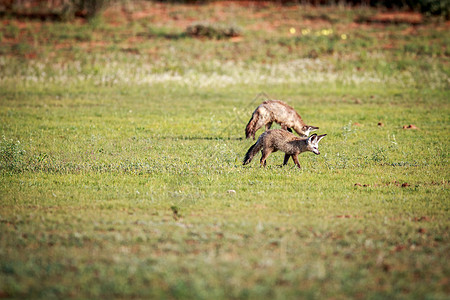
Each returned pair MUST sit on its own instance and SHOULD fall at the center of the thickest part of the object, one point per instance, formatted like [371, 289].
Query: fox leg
[295, 158]
[284, 126]
[264, 156]
[286, 159]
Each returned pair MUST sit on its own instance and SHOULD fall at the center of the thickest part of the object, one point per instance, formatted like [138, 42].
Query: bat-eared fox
[279, 139]
[279, 112]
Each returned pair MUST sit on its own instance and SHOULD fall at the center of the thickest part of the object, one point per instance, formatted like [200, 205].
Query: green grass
[121, 171]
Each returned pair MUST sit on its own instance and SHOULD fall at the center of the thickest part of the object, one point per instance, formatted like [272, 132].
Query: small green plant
[379, 155]
[22, 48]
[214, 31]
[347, 130]
[11, 31]
[11, 155]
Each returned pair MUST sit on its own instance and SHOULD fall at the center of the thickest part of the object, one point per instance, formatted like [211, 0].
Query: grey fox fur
[279, 139]
[279, 112]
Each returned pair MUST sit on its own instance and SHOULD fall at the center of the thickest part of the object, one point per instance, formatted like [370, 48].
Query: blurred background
[67, 9]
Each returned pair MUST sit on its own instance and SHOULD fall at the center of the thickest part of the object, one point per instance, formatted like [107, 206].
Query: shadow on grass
[204, 138]
[165, 35]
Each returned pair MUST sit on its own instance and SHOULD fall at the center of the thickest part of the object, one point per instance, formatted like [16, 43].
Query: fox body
[279, 139]
[279, 112]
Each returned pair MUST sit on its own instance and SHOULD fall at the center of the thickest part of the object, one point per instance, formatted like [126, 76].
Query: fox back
[279, 112]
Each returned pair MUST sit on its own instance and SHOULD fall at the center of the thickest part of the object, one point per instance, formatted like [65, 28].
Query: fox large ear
[311, 138]
[310, 128]
[320, 137]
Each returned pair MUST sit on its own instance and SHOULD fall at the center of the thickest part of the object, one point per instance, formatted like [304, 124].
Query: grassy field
[122, 140]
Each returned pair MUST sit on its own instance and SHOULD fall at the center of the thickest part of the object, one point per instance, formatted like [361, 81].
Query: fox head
[306, 130]
[312, 143]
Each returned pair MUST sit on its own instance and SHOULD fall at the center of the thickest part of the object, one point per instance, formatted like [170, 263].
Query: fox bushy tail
[252, 151]
[250, 129]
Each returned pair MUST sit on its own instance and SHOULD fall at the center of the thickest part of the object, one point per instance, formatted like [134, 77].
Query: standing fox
[279, 139]
[277, 111]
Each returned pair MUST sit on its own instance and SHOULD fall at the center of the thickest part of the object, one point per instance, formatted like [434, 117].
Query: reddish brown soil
[398, 17]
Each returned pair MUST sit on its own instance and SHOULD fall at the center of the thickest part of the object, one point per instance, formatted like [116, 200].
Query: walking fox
[279, 139]
[277, 111]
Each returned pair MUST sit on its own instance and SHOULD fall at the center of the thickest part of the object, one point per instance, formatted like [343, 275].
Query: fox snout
[306, 130]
